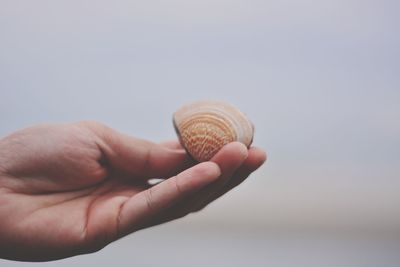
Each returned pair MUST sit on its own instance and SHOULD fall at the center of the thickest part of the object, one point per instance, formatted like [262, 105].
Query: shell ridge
[204, 128]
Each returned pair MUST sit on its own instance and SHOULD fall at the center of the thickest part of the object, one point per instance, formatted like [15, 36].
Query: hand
[69, 189]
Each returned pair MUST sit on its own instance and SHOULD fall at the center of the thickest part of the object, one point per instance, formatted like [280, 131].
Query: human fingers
[229, 159]
[142, 208]
[256, 159]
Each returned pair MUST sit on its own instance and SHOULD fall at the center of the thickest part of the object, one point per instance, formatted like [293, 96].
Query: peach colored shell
[204, 127]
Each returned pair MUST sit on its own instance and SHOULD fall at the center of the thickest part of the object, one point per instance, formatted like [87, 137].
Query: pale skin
[70, 189]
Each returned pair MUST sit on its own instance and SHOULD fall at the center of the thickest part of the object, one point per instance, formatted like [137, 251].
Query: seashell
[204, 127]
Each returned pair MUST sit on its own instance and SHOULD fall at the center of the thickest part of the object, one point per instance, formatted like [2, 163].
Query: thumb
[141, 208]
[137, 156]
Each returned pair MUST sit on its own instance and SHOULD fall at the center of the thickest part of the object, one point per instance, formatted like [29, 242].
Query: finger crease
[119, 219]
[149, 200]
[177, 186]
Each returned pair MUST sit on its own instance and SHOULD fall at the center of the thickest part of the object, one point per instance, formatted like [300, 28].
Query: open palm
[68, 189]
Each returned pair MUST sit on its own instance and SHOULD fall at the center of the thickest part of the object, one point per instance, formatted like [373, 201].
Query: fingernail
[242, 150]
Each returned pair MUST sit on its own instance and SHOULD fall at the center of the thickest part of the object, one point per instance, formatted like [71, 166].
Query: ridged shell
[204, 127]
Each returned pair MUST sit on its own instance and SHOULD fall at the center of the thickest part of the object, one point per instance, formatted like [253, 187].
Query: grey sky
[320, 80]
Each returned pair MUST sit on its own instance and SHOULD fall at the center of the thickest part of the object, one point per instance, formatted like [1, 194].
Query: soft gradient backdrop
[319, 79]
